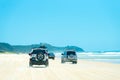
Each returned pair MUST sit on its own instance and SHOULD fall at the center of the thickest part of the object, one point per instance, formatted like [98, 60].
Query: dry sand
[15, 67]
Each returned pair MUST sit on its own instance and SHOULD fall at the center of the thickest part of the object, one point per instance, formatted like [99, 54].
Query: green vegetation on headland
[5, 47]
[1, 52]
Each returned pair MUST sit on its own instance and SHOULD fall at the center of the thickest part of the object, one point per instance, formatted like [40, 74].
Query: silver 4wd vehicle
[38, 56]
[69, 56]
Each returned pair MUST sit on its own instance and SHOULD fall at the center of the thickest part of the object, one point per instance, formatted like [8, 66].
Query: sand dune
[15, 67]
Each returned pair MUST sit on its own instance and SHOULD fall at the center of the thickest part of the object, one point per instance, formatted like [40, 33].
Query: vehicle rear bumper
[70, 60]
[35, 62]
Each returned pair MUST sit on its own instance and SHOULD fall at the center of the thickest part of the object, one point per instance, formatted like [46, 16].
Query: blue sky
[93, 25]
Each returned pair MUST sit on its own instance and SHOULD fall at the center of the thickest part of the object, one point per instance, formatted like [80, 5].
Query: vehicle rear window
[73, 53]
[37, 51]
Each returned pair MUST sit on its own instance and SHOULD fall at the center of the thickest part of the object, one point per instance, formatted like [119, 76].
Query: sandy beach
[15, 67]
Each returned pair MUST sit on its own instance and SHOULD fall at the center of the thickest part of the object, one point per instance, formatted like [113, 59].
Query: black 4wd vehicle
[39, 56]
[51, 55]
[69, 56]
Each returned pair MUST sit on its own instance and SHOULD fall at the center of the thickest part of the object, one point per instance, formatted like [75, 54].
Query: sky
[93, 25]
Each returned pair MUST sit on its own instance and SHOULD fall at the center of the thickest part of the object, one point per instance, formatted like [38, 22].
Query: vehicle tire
[47, 63]
[62, 61]
[74, 62]
[30, 64]
[53, 58]
[40, 56]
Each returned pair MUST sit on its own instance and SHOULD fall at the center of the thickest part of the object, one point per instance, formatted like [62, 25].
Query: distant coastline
[6, 47]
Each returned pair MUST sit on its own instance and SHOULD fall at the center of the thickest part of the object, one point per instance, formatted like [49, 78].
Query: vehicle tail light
[30, 54]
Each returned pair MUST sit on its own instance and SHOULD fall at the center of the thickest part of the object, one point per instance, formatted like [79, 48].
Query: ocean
[112, 57]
